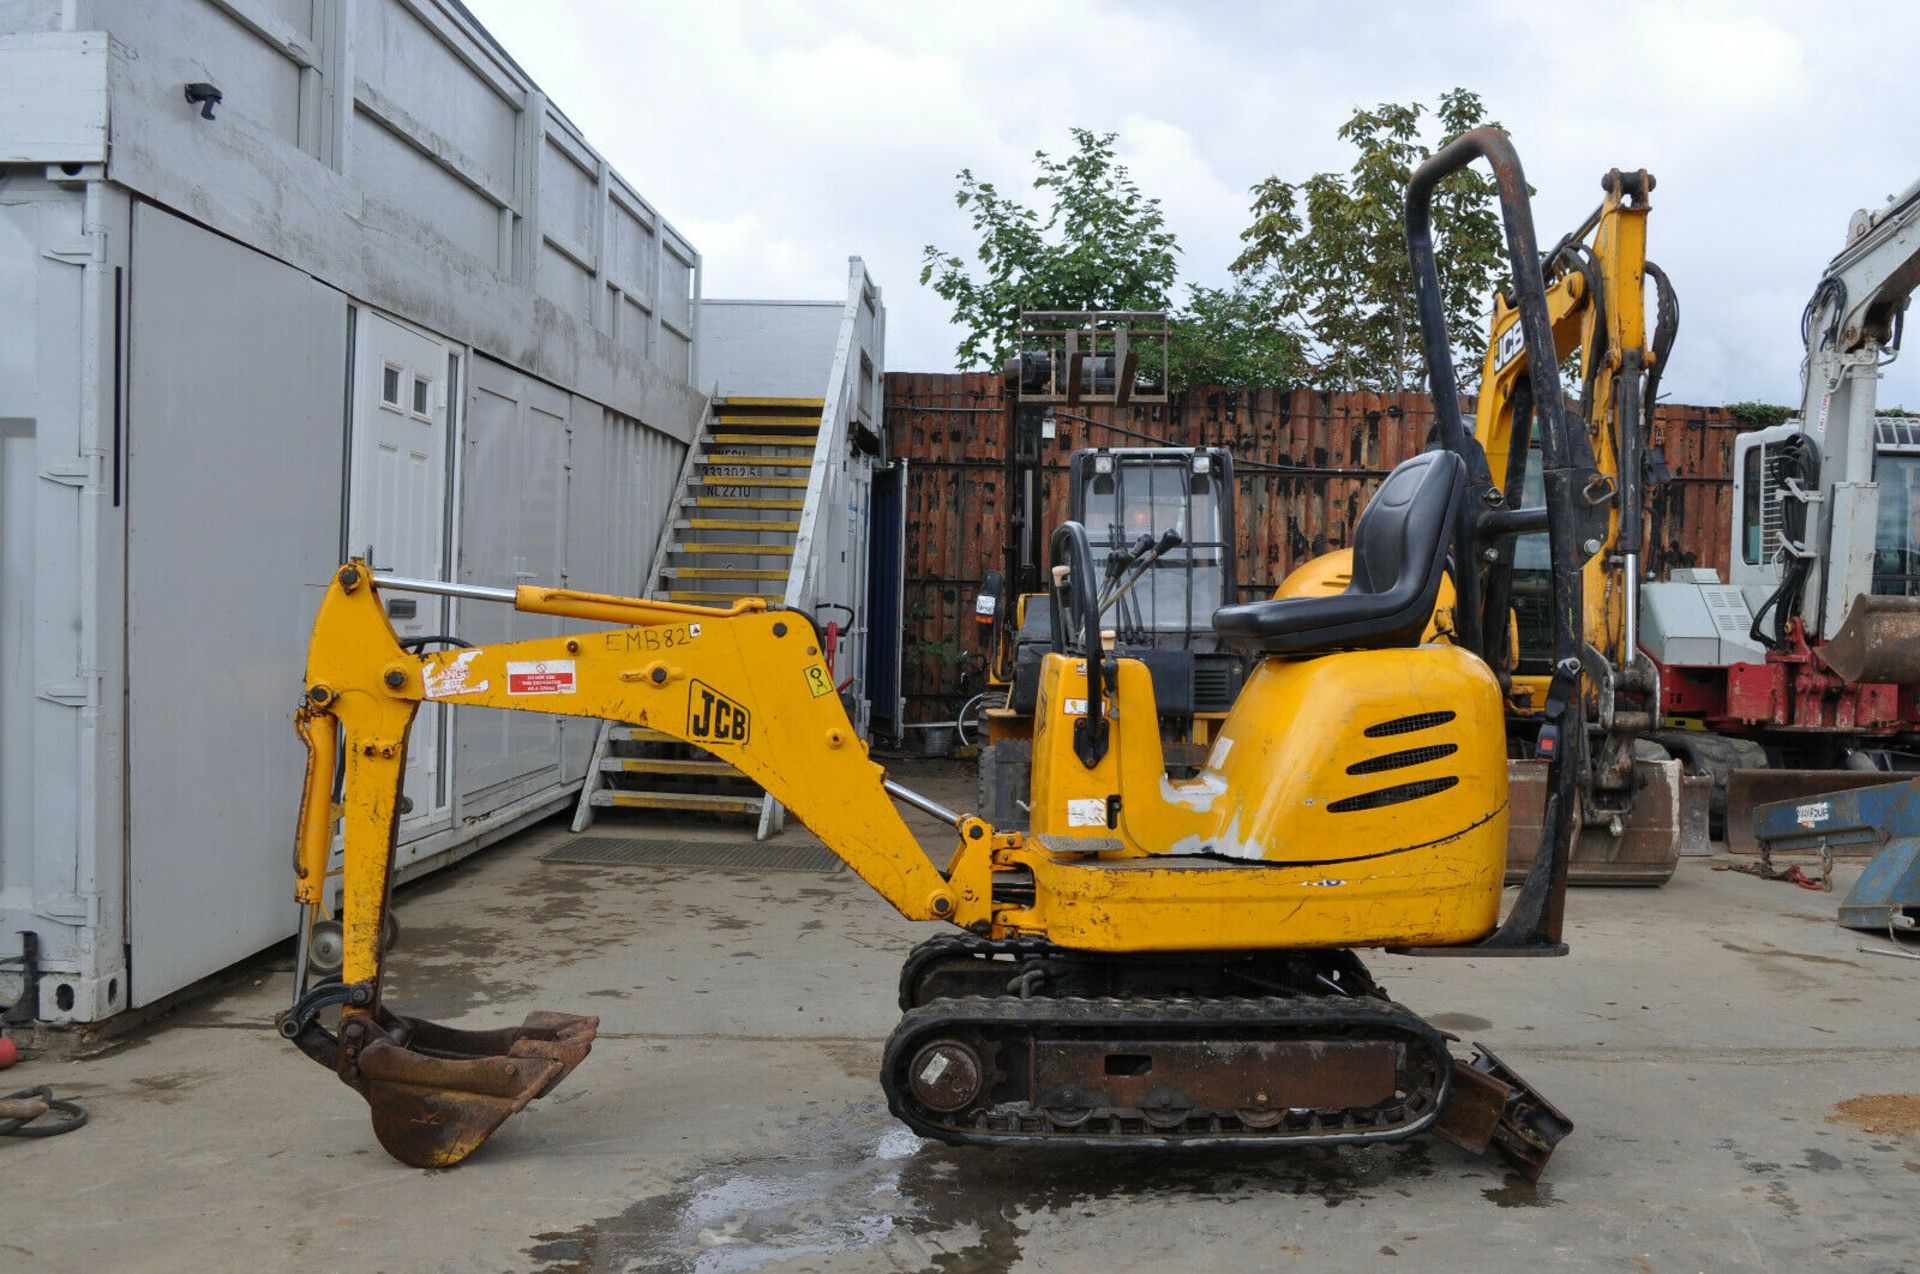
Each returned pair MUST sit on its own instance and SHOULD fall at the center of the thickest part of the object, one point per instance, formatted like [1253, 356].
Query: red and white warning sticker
[544, 677]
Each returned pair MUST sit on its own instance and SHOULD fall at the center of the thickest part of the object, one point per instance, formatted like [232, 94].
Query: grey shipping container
[380, 293]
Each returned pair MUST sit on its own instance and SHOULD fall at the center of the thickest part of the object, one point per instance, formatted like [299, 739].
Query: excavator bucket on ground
[437, 1093]
[1667, 817]
[1747, 790]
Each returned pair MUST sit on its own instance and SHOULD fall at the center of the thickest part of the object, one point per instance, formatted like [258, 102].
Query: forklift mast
[1067, 358]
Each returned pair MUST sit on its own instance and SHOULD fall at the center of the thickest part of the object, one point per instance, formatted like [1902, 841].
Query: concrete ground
[1745, 1085]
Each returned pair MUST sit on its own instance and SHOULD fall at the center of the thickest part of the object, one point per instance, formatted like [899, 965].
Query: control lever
[1137, 567]
[1120, 561]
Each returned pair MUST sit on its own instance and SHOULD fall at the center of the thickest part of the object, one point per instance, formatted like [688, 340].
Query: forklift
[1161, 523]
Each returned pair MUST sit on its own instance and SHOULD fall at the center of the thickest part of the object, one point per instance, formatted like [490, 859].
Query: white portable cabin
[380, 293]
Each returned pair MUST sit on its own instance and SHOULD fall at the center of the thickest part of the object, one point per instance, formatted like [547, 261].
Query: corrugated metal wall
[1306, 463]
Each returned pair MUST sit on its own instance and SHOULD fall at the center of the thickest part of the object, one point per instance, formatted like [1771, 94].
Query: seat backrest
[1400, 550]
[1401, 542]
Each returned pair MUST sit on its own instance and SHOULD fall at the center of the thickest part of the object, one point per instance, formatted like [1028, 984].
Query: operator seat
[1399, 553]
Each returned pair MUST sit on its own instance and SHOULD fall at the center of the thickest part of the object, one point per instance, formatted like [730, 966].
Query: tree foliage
[1758, 415]
[1227, 336]
[1331, 252]
[1099, 244]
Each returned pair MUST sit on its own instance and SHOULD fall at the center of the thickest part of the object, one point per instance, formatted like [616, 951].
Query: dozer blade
[1664, 811]
[1494, 1109]
[438, 1093]
[1747, 789]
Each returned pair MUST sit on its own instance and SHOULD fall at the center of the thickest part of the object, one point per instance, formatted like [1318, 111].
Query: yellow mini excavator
[1156, 961]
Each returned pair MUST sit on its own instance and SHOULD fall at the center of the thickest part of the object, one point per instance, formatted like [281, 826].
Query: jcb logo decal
[714, 718]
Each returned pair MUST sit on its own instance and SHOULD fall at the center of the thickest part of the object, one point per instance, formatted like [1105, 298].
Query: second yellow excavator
[1156, 961]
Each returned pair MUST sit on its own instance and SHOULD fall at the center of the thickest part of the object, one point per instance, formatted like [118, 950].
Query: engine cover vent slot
[1391, 795]
[1407, 725]
[1402, 760]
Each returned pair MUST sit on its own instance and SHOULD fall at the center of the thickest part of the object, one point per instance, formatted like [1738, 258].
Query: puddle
[1518, 1192]
[855, 1186]
[1459, 1022]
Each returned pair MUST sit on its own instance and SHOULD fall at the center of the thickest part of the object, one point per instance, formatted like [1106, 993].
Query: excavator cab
[1156, 961]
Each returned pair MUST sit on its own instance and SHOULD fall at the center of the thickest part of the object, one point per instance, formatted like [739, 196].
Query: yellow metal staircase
[736, 523]
[740, 503]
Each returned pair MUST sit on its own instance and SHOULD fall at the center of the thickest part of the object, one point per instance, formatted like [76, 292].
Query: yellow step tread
[639, 734]
[730, 401]
[738, 524]
[745, 502]
[747, 480]
[756, 462]
[704, 595]
[745, 550]
[772, 422]
[718, 572]
[676, 801]
[760, 440]
[666, 765]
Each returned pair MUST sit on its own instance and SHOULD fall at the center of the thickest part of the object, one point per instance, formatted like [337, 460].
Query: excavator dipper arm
[748, 684]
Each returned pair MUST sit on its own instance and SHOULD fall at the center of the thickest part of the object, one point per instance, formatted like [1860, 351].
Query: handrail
[836, 415]
[1533, 925]
[1080, 600]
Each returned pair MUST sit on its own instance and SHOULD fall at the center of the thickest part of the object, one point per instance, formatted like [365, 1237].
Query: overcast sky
[781, 138]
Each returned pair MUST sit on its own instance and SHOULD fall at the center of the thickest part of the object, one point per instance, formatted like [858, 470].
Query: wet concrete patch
[166, 1089]
[1782, 953]
[858, 1185]
[1518, 1192]
[1459, 1022]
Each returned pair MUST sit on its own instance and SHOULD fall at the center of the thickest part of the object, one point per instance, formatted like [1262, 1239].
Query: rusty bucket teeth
[438, 1093]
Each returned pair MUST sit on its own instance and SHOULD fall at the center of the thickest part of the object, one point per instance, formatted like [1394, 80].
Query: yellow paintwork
[1424, 870]
[1620, 256]
[748, 685]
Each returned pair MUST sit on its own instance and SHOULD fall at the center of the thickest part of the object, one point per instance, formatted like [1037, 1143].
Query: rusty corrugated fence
[1306, 464]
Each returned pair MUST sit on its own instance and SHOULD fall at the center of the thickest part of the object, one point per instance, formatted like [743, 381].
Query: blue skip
[1887, 815]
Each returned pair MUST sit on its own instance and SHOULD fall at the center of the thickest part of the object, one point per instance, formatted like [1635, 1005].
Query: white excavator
[1805, 664]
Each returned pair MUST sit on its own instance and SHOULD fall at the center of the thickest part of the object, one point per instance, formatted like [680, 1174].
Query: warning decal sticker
[455, 678]
[544, 677]
[1087, 812]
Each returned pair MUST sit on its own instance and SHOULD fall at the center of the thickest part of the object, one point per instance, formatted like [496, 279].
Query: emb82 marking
[712, 718]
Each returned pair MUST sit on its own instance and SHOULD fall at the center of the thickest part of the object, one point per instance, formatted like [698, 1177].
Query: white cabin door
[399, 504]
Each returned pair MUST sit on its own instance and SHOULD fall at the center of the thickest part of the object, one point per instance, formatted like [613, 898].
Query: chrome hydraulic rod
[1632, 607]
[926, 805]
[445, 588]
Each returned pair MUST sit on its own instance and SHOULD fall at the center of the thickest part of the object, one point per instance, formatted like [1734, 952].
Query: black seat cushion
[1399, 554]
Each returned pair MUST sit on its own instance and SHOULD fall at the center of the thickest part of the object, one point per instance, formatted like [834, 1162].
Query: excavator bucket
[1879, 642]
[1668, 814]
[438, 1093]
[1748, 789]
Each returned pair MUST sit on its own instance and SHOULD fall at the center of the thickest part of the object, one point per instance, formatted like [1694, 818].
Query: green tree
[1099, 244]
[1231, 336]
[1331, 253]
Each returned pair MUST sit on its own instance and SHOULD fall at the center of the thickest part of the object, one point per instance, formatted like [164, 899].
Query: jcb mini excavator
[1156, 962]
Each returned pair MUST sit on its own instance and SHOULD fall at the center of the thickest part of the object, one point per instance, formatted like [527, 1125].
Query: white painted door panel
[398, 485]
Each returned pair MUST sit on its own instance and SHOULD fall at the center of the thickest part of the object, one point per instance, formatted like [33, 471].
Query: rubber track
[1302, 1016]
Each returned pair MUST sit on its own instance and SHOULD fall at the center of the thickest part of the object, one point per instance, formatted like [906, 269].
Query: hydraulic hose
[1795, 459]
